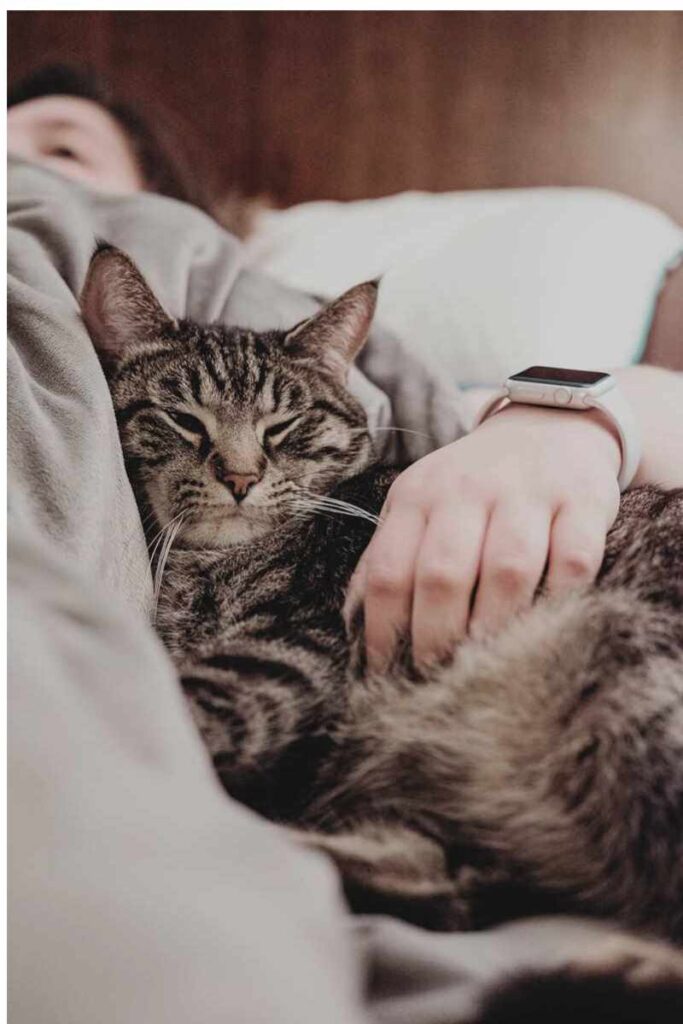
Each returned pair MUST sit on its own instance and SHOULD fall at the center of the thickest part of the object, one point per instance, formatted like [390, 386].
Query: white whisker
[308, 501]
[172, 529]
[394, 430]
[157, 539]
[305, 512]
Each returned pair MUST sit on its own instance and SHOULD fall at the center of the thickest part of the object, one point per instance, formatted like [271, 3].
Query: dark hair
[160, 154]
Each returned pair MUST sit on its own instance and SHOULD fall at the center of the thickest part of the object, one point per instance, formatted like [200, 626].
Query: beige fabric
[138, 891]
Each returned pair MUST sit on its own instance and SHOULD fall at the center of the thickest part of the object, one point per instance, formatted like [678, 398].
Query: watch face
[555, 375]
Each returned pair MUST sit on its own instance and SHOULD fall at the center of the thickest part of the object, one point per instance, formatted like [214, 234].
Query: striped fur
[541, 770]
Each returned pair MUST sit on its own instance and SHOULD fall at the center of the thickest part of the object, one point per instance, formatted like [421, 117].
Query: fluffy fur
[541, 770]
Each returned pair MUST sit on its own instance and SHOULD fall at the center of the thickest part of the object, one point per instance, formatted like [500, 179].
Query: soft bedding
[138, 889]
[485, 283]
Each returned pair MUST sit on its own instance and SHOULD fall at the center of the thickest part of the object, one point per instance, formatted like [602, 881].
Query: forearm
[656, 397]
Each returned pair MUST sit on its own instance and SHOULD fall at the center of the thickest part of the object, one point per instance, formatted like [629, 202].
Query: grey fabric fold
[138, 890]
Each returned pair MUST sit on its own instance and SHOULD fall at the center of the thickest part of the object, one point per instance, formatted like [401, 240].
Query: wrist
[592, 428]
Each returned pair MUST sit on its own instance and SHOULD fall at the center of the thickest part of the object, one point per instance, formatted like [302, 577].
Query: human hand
[469, 530]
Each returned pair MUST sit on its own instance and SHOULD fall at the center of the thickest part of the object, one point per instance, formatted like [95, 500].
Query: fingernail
[377, 660]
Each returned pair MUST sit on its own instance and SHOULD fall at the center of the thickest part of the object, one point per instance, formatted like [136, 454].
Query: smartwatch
[576, 391]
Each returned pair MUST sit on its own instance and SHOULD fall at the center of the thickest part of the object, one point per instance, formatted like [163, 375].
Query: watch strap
[491, 406]
[620, 414]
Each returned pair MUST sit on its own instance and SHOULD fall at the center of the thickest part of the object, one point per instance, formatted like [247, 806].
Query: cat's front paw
[639, 963]
[390, 869]
[617, 979]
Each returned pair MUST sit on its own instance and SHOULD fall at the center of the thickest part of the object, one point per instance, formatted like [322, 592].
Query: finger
[447, 567]
[577, 546]
[513, 560]
[356, 589]
[389, 574]
[355, 592]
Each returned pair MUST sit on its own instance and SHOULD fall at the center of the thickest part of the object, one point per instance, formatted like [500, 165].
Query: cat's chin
[223, 532]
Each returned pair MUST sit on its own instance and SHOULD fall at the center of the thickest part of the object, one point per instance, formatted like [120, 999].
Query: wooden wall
[308, 105]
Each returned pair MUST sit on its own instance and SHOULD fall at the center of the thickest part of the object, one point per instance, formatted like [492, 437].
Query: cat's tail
[556, 748]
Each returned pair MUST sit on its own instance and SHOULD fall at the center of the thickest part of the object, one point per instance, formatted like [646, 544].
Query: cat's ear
[119, 308]
[333, 337]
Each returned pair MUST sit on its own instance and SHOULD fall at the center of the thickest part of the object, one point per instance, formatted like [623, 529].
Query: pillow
[481, 284]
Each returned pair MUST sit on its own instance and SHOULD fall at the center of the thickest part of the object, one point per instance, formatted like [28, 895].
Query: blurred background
[348, 105]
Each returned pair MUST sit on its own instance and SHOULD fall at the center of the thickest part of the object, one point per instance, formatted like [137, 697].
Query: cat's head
[226, 430]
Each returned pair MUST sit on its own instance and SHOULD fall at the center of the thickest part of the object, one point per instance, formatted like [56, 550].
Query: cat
[540, 771]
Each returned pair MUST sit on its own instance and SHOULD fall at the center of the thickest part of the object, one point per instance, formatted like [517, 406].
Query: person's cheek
[20, 145]
[69, 168]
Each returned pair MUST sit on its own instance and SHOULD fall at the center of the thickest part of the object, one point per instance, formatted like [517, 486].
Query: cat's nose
[239, 484]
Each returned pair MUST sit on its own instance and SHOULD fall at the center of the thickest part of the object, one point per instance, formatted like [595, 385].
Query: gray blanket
[138, 890]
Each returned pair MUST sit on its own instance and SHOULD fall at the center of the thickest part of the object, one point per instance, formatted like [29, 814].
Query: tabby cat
[541, 770]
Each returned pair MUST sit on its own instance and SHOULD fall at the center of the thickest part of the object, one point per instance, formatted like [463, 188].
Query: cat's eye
[276, 431]
[190, 423]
